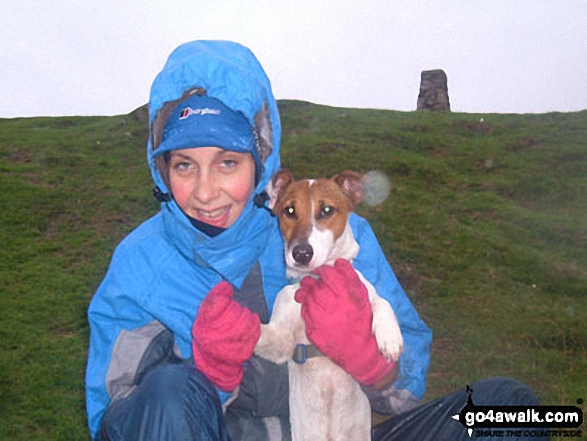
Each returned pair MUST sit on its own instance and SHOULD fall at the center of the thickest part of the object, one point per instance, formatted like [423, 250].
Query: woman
[175, 321]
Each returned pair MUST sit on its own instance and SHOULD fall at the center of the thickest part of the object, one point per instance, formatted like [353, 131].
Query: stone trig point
[433, 91]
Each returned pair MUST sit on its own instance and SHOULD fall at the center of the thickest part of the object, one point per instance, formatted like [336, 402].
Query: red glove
[338, 318]
[224, 336]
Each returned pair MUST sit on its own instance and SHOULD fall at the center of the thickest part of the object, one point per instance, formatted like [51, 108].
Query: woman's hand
[224, 336]
[338, 317]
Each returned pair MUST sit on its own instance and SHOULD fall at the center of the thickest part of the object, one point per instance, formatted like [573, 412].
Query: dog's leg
[385, 326]
[279, 337]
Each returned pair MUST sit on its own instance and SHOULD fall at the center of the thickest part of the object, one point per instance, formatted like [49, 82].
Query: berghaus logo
[188, 111]
[524, 421]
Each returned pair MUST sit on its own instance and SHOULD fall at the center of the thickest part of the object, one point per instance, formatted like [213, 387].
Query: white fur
[326, 403]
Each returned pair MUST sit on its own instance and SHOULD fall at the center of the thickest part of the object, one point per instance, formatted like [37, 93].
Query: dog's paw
[386, 329]
[389, 340]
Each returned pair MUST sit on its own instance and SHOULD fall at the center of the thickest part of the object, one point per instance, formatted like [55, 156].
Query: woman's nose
[206, 188]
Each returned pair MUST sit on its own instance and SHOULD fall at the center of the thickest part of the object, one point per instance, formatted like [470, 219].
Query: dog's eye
[326, 211]
[290, 212]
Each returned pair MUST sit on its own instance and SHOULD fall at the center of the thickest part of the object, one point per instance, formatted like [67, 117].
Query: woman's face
[210, 184]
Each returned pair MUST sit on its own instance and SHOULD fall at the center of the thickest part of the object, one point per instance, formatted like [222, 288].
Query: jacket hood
[228, 72]
[231, 73]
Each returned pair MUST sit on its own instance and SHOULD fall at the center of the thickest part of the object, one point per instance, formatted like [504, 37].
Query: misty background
[66, 57]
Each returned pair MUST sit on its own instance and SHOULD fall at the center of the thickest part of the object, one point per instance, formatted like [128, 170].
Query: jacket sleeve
[125, 341]
[410, 386]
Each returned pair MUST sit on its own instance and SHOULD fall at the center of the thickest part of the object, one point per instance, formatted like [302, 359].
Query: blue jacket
[161, 272]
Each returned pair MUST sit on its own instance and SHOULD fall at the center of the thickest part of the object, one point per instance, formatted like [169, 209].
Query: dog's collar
[294, 280]
[302, 352]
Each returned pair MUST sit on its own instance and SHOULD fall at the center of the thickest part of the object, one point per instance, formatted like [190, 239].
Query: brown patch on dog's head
[323, 203]
[332, 206]
[294, 210]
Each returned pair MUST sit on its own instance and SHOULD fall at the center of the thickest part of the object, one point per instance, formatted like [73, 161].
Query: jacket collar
[232, 253]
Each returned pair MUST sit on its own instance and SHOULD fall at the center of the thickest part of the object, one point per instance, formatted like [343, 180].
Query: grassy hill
[486, 227]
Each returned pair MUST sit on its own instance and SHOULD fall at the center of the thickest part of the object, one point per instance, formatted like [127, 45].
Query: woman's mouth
[218, 218]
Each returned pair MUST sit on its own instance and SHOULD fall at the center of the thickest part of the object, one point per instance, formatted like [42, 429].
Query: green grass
[72, 188]
[486, 227]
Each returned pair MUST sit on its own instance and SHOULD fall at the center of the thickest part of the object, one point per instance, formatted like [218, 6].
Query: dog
[326, 403]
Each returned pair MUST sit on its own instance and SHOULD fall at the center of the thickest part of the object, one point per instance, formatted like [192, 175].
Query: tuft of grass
[485, 227]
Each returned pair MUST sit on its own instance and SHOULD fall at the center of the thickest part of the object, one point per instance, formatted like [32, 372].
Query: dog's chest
[286, 299]
[317, 373]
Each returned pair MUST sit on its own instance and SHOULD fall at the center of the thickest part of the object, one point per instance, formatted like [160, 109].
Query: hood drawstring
[260, 199]
[160, 196]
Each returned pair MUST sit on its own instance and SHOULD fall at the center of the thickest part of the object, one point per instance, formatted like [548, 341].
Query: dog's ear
[350, 183]
[277, 185]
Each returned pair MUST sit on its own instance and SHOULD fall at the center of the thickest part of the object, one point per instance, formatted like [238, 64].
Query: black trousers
[175, 402]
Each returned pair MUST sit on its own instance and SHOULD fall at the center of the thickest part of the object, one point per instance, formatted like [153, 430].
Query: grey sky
[71, 57]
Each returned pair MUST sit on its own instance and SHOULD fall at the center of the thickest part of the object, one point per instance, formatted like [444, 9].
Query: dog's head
[313, 217]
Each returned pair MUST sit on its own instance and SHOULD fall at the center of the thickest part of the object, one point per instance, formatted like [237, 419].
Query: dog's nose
[303, 253]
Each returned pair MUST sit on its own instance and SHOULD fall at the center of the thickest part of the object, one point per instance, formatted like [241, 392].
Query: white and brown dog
[326, 403]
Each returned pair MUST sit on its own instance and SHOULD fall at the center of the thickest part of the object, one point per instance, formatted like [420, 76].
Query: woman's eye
[182, 166]
[227, 165]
